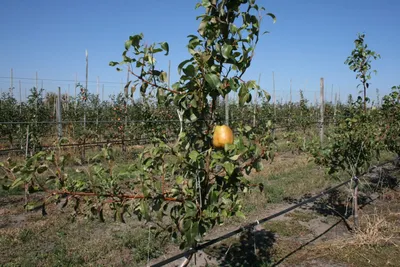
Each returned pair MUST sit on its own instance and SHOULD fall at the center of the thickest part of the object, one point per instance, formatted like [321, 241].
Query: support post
[273, 86]
[355, 203]
[255, 101]
[86, 88]
[11, 81]
[322, 108]
[59, 124]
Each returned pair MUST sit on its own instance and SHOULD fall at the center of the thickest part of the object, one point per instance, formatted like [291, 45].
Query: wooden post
[27, 141]
[322, 108]
[68, 97]
[36, 110]
[26, 156]
[86, 88]
[126, 94]
[102, 93]
[97, 109]
[20, 97]
[20, 113]
[335, 109]
[11, 82]
[76, 83]
[59, 124]
[97, 85]
[355, 203]
[255, 101]
[273, 86]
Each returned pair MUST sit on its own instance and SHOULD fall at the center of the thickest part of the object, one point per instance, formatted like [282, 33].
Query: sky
[310, 39]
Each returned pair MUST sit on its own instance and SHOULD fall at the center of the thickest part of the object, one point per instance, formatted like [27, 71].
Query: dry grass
[375, 243]
[375, 230]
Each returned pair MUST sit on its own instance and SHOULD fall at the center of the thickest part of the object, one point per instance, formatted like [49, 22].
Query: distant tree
[360, 62]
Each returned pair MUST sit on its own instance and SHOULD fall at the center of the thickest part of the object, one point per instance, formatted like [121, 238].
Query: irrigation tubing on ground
[252, 225]
[249, 226]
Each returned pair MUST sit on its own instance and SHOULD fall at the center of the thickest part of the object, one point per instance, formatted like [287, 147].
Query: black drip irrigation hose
[257, 222]
[249, 226]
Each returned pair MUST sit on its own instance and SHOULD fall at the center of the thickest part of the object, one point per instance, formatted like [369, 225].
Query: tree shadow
[254, 248]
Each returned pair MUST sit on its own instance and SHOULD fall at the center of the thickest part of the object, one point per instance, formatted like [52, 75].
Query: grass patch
[301, 216]
[56, 241]
[296, 178]
[287, 228]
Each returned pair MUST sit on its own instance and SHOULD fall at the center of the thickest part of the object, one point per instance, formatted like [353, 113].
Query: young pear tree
[360, 62]
[192, 184]
[201, 181]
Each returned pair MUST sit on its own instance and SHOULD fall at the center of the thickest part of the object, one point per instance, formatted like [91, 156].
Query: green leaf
[190, 70]
[213, 80]
[240, 214]
[190, 209]
[128, 44]
[202, 27]
[17, 182]
[193, 155]
[226, 51]
[229, 168]
[193, 117]
[164, 76]
[272, 16]
[179, 180]
[217, 155]
[165, 47]
[144, 209]
[135, 40]
[266, 95]
[235, 157]
[183, 63]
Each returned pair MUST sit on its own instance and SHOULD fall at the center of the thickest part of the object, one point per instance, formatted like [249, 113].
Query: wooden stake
[273, 86]
[255, 101]
[59, 128]
[11, 82]
[322, 108]
[355, 203]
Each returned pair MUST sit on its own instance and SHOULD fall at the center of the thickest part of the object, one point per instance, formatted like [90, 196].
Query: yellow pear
[222, 135]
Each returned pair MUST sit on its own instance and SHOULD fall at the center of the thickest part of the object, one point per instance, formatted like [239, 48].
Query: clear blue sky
[311, 39]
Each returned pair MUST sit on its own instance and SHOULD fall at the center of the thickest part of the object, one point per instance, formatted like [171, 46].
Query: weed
[301, 216]
[25, 235]
[142, 246]
[287, 228]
